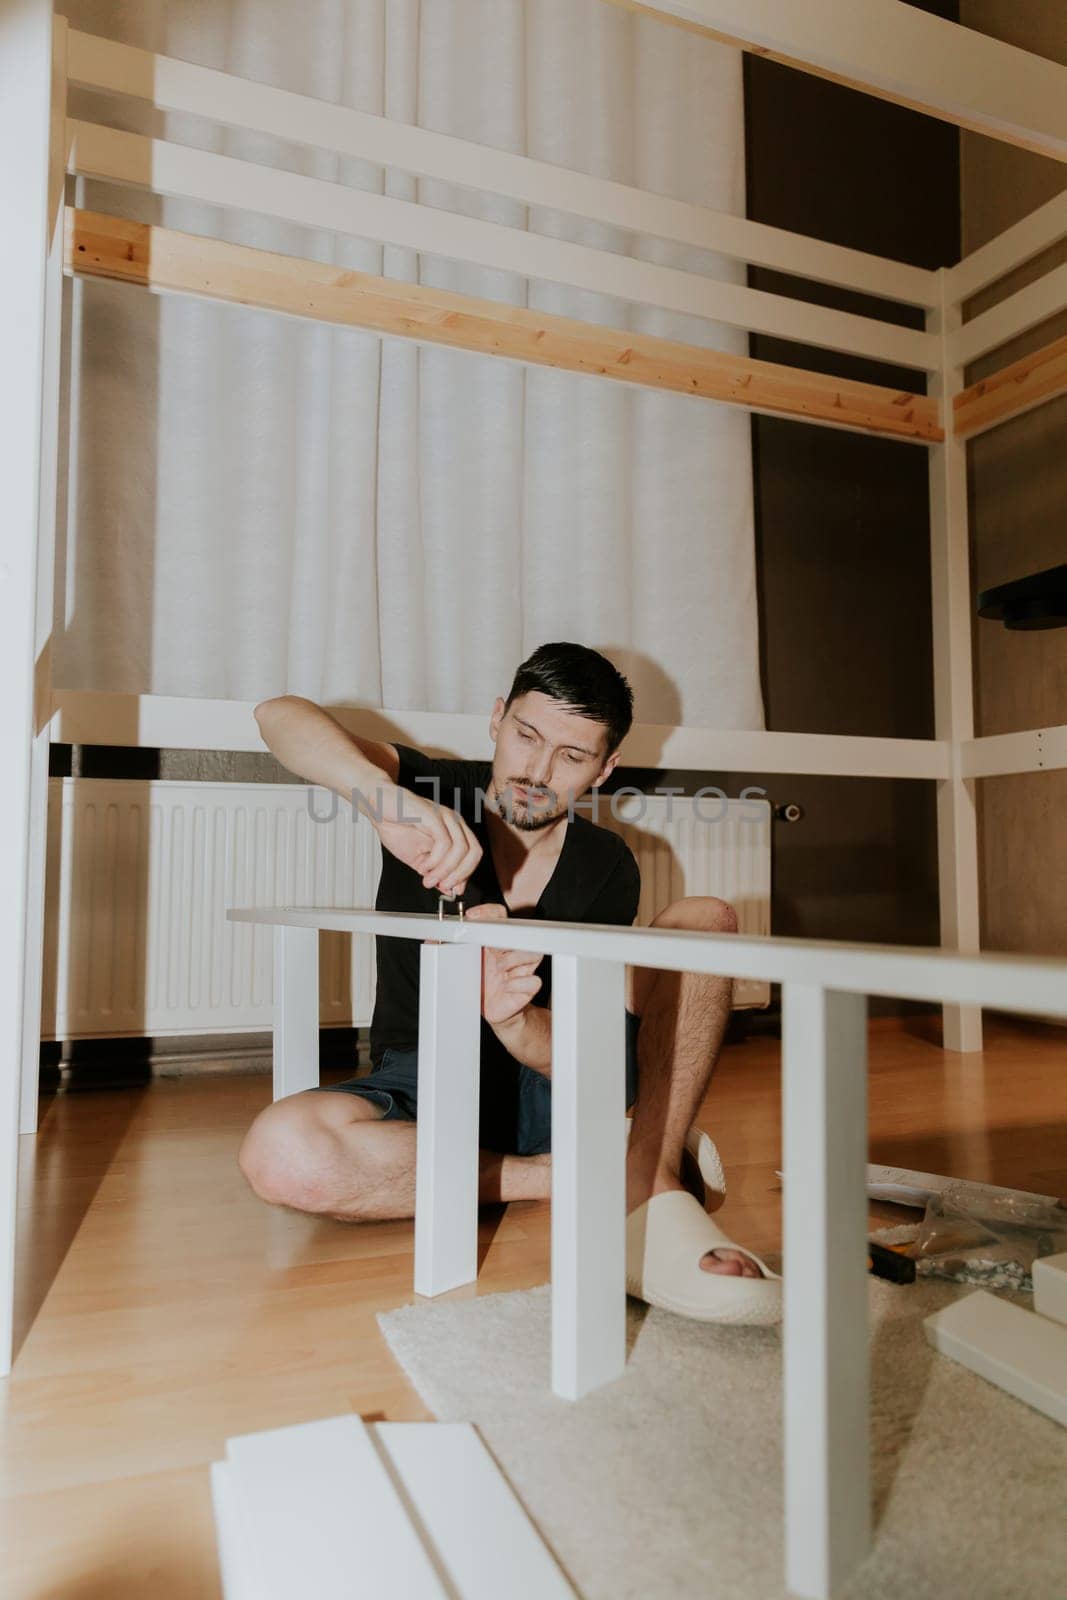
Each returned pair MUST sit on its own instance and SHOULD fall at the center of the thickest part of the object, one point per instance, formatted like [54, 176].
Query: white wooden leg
[50, 456]
[957, 832]
[28, 199]
[588, 1173]
[826, 1411]
[446, 1177]
[296, 1010]
[35, 908]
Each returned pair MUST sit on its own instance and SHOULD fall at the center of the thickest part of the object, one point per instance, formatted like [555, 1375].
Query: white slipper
[708, 1162]
[666, 1238]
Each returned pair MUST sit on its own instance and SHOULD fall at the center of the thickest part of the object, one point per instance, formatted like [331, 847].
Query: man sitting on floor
[507, 837]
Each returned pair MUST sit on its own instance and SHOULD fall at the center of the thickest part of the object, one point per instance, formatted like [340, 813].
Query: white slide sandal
[666, 1239]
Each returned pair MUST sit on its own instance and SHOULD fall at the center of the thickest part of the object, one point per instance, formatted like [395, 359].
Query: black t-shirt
[596, 879]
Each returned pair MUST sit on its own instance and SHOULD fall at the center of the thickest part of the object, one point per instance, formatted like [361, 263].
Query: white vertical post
[25, 117]
[827, 1448]
[957, 831]
[446, 1162]
[44, 612]
[296, 1010]
[588, 1173]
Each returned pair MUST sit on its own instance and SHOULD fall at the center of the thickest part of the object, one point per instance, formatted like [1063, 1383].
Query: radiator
[140, 875]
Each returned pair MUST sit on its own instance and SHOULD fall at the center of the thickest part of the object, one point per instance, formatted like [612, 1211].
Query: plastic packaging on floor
[971, 1236]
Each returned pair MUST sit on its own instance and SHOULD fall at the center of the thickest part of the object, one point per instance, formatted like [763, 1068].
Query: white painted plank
[446, 1177]
[588, 1174]
[895, 51]
[1039, 231]
[25, 101]
[1035, 984]
[51, 451]
[325, 1517]
[296, 1010]
[236, 102]
[957, 825]
[1050, 1287]
[179, 170]
[1017, 314]
[1036, 750]
[1016, 1349]
[469, 1513]
[825, 1348]
[175, 722]
[238, 1563]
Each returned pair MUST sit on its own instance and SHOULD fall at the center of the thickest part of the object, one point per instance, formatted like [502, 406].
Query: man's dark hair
[582, 680]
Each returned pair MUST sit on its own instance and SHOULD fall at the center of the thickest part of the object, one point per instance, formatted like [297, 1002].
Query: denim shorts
[515, 1110]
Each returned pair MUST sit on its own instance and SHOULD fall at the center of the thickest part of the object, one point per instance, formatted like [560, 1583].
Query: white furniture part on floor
[389, 1510]
[824, 1067]
[1021, 1351]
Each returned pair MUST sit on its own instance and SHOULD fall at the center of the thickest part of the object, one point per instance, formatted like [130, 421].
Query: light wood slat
[181, 171]
[237, 102]
[1013, 390]
[895, 52]
[164, 260]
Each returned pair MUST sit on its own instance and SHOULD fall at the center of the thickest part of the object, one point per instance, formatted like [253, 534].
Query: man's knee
[699, 911]
[286, 1154]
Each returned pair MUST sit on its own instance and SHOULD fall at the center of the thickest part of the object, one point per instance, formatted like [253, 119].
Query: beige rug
[668, 1481]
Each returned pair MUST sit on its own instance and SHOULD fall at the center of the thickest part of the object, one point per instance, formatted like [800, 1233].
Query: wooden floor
[167, 1308]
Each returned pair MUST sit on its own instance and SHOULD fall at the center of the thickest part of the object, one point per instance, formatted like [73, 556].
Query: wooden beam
[895, 52]
[163, 260]
[1012, 391]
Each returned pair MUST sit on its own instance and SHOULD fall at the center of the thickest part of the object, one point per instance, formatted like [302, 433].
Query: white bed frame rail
[824, 1100]
[881, 46]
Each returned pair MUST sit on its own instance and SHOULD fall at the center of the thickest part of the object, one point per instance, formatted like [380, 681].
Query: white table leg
[827, 1401]
[588, 1173]
[446, 1180]
[296, 1010]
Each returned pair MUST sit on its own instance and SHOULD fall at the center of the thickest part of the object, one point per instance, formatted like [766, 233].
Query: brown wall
[1018, 492]
[843, 520]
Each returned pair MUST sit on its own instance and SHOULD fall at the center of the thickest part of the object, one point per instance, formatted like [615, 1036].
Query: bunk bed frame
[882, 47]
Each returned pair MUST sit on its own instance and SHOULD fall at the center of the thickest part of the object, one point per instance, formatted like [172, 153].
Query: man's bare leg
[683, 1021]
[332, 1154]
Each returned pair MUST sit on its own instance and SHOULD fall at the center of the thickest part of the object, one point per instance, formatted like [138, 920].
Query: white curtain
[262, 506]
